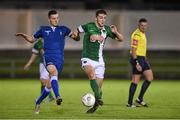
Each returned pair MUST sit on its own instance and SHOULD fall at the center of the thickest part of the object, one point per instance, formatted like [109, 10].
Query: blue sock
[44, 94]
[55, 86]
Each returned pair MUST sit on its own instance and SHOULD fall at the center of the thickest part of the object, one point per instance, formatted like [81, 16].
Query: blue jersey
[54, 41]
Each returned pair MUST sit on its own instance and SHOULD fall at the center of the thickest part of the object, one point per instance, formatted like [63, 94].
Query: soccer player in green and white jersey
[92, 54]
[37, 51]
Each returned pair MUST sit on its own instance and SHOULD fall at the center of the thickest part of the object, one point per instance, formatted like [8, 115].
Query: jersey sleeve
[67, 31]
[110, 33]
[134, 40]
[38, 33]
[83, 28]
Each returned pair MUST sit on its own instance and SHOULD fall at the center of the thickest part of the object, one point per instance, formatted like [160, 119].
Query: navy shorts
[54, 60]
[143, 62]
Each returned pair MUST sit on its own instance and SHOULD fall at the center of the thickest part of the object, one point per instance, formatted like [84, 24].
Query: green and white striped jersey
[94, 50]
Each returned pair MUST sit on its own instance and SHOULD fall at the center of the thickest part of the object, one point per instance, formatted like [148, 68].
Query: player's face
[143, 26]
[101, 19]
[54, 19]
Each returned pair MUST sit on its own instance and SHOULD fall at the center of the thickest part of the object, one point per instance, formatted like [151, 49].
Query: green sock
[100, 93]
[95, 88]
[42, 88]
[50, 95]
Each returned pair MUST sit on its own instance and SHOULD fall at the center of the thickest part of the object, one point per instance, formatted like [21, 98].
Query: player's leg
[44, 92]
[43, 95]
[54, 82]
[44, 77]
[89, 70]
[100, 69]
[99, 73]
[100, 83]
[43, 82]
[148, 78]
[136, 75]
[50, 96]
[88, 67]
[148, 74]
[132, 89]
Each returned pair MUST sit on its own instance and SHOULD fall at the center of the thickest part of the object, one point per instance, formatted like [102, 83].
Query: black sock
[144, 87]
[132, 90]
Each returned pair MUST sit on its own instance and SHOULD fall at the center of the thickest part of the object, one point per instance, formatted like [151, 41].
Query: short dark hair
[101, 11]
[52, 12]
[142, 20]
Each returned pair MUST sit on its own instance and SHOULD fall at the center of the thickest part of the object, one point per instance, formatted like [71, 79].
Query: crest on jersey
[60, 33]
[104, 35]
[47, 31]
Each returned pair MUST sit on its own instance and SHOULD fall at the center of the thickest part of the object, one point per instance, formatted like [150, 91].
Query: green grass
[17, 100]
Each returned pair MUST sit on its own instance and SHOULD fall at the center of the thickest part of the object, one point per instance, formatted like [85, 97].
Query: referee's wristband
[136, 61]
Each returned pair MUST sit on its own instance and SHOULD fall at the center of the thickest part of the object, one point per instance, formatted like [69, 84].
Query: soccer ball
[88, 100]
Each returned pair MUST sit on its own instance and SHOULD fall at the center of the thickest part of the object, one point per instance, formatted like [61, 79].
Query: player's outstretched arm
[31, 60]
[26, 37]
[119, 36]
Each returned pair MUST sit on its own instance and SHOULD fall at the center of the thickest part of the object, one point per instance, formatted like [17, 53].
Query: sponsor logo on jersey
[135, 42]
[91, 30]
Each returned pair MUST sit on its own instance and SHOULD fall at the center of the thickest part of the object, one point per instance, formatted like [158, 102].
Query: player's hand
[26, 67]
[113, 28]
[138, 67]
[93, 38]
[75, 36]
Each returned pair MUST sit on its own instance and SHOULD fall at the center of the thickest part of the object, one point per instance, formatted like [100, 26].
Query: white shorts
[44, 75]
[98, 66]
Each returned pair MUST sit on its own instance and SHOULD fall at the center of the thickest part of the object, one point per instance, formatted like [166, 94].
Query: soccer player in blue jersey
[54, 42]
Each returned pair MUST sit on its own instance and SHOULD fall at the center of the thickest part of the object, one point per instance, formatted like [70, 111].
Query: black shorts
[143, 62]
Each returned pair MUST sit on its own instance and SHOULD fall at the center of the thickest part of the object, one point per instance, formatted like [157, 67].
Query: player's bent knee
[53, 73]
[91, 76]
[150, 78]
[135, 81]
[52, 70]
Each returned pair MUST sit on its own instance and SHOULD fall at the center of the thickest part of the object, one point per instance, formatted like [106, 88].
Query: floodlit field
[18, 96]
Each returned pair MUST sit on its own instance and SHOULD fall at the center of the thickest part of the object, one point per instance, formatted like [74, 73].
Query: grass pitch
[17, 100]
